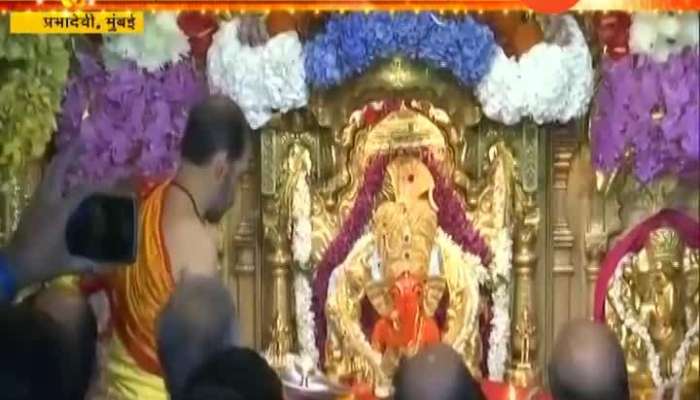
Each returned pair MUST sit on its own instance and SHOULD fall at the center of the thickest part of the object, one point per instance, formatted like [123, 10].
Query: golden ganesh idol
[653, 309]
[411, 268]
[404, 266]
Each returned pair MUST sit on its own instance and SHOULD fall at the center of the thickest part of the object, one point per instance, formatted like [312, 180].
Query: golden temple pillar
[524, 332]
[290, 130]
[523, 324]
[279, 259]
[239, 256]
[277, 253]
[595, 244]
[561, 283]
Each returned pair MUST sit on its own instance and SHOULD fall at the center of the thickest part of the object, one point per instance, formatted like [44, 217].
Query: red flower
[373, 116]
[200, 29]
[613, 31]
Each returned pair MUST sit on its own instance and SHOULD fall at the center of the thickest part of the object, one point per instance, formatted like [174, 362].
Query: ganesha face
[408, 324]
[406, 293]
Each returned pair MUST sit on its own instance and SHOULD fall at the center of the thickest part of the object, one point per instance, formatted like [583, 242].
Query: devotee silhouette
[176, 239]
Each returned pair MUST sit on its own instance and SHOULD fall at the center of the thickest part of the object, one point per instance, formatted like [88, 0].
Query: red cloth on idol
[687, 227]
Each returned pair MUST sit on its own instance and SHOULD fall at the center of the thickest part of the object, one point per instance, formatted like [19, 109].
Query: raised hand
[38, 249]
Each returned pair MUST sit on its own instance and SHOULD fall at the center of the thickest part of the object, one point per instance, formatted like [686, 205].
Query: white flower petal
[549, 83]
[162, 42]
[261, 80]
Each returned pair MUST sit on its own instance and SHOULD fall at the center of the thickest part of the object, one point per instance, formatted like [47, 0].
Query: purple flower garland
[129, 121]
[353, 42]
[452, 217]
[341, 246]
[649, 110]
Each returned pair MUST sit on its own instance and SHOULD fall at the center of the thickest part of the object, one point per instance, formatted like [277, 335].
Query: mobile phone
[104, 228]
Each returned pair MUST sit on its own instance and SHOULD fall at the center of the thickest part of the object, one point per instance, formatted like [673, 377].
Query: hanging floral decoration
[480, 277]
[199, 29]
[551, 82]
[33, 72]
[660, 35]
[647, 113]
[350, 232]
[613, 33]
[161, 43]
[352, 42]
[128, 120]
[452, 217]
[500, 276]
[301, 231]
[262, 80]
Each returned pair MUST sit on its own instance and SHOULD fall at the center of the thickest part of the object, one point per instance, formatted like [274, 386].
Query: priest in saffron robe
[175, 240]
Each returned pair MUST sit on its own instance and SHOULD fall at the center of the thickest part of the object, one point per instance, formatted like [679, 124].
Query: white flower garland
[162, 42]
[301, 221]
[631, 322]
[500, 275]
[263, 79]
[305, 318]
[480, 276]
[499, 340]
[301, 253]
[550, 83]
[661, 34]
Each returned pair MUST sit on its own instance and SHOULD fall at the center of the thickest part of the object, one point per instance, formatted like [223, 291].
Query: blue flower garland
[353, 42]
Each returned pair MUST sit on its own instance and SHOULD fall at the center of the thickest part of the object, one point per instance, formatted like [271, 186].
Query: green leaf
[33, 69]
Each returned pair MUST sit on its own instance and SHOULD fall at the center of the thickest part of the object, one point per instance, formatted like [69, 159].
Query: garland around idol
[352, 42]
[262, 80]
[631, 322]
[552, 82]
